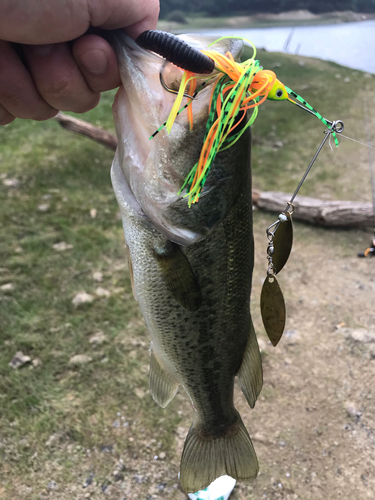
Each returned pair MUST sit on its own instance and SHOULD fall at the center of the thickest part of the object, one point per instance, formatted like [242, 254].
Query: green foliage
[177, 16]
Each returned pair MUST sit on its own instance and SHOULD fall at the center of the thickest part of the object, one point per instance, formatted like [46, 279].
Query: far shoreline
[283, 19]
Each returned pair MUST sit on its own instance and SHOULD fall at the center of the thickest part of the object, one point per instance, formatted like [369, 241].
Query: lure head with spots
[156, 169]
[278, 92]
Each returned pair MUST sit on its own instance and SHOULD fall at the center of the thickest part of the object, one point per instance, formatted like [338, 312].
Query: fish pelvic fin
[250, 375]
[163, 387]
[206, 458]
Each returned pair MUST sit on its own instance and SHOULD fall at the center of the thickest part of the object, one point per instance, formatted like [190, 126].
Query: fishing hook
[168, 89]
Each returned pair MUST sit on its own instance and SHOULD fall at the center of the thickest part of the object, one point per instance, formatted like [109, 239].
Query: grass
[73, 408]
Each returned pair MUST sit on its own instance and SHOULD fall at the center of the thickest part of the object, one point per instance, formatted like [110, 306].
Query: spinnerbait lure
[176, 51]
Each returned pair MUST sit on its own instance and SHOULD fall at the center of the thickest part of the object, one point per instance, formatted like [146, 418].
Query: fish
[191, 267]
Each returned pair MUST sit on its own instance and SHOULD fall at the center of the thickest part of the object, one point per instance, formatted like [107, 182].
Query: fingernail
[42, 50]
[94, 61]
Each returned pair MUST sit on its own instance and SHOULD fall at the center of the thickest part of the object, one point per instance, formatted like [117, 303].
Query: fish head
[156, 165]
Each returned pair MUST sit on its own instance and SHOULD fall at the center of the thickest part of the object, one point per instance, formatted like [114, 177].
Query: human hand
[48, 64]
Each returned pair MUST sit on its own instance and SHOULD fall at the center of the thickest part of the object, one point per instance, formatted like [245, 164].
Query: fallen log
[320, 212]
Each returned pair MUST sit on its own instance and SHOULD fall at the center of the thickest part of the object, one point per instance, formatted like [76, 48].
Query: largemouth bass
[191, 267]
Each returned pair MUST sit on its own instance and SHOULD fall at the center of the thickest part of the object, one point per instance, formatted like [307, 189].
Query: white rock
[62, 246]
[98, 338]
[79, 359]
[44, 207]
[358, 334]
[11, 182]
[82, 298]
[8, 287]
[93, 213]
[19, 359]
[98, 276]
[292, 337]
[52, 485]
[140, 392]
[102, 292]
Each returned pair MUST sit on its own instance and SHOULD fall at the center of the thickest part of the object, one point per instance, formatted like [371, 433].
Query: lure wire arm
[338, 127]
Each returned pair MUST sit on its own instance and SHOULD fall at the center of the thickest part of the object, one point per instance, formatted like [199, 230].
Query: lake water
[349, 44]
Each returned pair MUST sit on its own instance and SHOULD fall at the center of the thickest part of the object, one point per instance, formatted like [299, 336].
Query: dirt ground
[313, 426]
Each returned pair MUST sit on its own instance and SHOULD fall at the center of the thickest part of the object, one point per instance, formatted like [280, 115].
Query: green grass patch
[69, 176]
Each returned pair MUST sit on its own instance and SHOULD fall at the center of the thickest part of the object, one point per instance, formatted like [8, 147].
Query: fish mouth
[155, 165]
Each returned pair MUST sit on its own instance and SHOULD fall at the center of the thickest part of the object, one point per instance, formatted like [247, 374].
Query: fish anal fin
[178, 276]
[204, 460]
[250, 375]
[131, 274]
[163, 387]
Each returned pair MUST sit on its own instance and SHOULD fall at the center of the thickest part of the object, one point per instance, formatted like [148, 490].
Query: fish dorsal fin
[131, 270]
[163, 387]
[178, 276]
[250, 375]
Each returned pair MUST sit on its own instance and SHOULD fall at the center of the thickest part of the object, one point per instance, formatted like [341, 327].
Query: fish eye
[279, 93]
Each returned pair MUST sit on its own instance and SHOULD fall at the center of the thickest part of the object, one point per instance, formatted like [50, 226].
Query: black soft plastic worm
[176, 51]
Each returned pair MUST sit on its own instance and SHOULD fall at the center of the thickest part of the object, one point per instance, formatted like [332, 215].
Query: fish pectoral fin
[250, 375]
[163, 387]
[178, 276]
[204, 459]
[131, 274]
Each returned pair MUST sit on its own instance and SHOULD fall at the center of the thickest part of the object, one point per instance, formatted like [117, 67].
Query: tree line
[248, 7]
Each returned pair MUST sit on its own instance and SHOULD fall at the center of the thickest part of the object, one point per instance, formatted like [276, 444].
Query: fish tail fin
[206, 458]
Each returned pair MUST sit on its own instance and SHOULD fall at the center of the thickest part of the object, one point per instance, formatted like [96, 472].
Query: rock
[82, 298]
[102, 292]
[139, 479]
[116, 424]
[52, 485]
[53, 439]
[88, 481]
[358, 335]
[162, 455]
[97, 338]
[353, 411]
[36, 362]
[18, 249]
[93, 213]
[98, 276]
[292, 337]
[181, 432]
[140, 392]
[44, 207]
[8, 287]
[106, 448]
[79, 359]
[19, 359]
[11, 183]
[62, 246]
